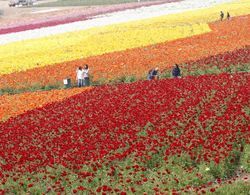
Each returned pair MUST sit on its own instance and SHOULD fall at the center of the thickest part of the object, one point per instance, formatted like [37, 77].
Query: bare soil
[16, 12]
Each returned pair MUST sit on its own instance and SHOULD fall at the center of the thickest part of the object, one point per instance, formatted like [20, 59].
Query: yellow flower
[28, 54]
[81, 44]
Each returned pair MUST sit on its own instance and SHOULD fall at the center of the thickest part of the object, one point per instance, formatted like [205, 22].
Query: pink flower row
[72, 16]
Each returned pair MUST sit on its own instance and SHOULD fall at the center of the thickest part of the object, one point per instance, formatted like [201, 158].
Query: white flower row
[111, 18]
[45, 11]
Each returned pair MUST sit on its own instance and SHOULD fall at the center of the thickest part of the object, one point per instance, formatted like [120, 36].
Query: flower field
[124, 135]
[201, 120]
[14, 105]
[137, 61]
[68, 16]
[28, 54]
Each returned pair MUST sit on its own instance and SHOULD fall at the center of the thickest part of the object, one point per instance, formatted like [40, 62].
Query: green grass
[155, 172]
[195, 71]
[62, 3]
[33, 88]
[245, 159]
[239, 188]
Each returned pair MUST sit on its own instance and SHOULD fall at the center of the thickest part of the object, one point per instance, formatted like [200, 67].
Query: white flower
[207, 169]
[117, 17]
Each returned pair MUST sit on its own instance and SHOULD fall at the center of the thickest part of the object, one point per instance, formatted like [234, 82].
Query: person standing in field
[86, 75]
[221, 15]
[176, 72]
[228, 16]
[79, 77]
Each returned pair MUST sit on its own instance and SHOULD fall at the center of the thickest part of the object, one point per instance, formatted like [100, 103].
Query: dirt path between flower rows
[240, 176]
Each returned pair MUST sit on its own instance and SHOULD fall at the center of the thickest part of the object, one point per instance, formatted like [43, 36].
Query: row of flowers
[132, 130]
[75, 15]
[132, 11]
[28, 54]
[138, 61]
[230, 61]
[108, 19]
[14, 105]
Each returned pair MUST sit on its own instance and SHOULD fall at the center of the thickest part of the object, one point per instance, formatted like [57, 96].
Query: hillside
[125, 97]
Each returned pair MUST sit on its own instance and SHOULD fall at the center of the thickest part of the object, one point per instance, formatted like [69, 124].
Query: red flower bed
[222, 61]
[113, 122]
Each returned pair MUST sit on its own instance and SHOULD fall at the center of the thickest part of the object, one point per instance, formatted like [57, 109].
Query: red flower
[212, 190]
[81, 188]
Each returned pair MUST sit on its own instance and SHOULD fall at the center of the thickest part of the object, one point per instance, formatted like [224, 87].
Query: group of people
[82, 76]
[154, 73]
[222, 15]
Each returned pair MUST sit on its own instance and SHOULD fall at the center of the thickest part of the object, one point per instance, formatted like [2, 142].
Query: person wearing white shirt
[86, 75]
[79, 77]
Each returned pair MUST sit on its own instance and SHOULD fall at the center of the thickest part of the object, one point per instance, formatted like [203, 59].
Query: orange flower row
[225, 36]
[13, 105]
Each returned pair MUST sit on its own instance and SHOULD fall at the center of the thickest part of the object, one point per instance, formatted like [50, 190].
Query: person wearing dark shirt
[176, 72]
[228, 15]
[153, 74]
[221, 15]
[149, 77]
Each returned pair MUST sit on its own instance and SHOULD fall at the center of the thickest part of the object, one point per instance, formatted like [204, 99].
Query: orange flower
[225, 36]
[13, 105]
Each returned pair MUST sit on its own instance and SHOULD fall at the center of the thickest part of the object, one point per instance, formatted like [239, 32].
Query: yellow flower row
[28, 54]
[54, 49]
